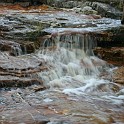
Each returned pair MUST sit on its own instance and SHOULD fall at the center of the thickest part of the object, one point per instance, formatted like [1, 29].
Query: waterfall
[16, 50]
[70, 60]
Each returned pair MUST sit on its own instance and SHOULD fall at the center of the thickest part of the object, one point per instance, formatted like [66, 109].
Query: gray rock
[88, 10]
[105, 10]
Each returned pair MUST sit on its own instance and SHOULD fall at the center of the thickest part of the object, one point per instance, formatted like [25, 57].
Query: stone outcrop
[113, 55]
[105, 10]
[19, 71]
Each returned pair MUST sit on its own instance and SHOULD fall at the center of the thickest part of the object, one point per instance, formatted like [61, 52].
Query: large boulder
[114, 3]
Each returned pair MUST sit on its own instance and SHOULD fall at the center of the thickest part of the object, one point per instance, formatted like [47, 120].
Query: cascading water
[71, 62]
[73, 67]
[16, 50]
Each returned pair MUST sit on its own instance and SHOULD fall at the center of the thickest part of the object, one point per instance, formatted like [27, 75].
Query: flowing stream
[73, 67]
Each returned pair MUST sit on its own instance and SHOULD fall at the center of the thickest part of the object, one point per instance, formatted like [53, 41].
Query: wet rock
[88, 10]
[29, 27]
[27, 47]
[118, 75]
[23, 103]
[6, 45]
[12, 81]
[16, 49]
[19, 71]
[105, 10]
[62, 3]
[24, 4]
[14, 28]
[70, 4]
[104, 119]
[39, 88]
[108, 88]
[115, 3]
[41, 119]
[113, 55]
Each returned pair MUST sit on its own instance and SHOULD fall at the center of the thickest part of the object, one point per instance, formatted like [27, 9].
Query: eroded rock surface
[55, 107]
[19, 71]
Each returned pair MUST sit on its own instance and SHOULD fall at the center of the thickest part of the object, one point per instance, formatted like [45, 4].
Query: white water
[71, 65]
[74, 69]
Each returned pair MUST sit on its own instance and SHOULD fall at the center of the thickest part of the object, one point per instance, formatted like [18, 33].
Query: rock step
[11, 81]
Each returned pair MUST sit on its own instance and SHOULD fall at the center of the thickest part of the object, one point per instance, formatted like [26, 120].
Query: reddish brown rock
[18, 71]
[113, 55]
[118, 75]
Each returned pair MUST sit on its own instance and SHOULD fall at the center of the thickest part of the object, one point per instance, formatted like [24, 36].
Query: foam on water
[71, 62]
[90, 85]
